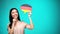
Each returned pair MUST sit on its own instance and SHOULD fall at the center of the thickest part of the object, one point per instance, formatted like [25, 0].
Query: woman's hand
[14, 22]
[29, 14]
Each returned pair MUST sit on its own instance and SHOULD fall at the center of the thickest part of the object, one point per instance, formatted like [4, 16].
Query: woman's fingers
[14, 20]
[29, 14]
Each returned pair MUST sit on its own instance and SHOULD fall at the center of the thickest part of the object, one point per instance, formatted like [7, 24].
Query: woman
[16, 26]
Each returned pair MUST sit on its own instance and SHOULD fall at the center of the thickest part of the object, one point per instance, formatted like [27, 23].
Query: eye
[12, 12]
[16, 12]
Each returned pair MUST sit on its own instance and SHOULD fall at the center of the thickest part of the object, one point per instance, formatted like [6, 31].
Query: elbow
[32, 27]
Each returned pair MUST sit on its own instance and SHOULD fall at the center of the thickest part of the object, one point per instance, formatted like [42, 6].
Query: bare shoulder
[8, 25]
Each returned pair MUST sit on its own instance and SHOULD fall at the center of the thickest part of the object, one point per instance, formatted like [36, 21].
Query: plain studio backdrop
[45, 15]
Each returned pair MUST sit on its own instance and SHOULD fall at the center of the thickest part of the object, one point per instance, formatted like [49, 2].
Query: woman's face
[14, 14]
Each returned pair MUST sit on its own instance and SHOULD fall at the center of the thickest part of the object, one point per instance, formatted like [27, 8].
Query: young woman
[16, 26]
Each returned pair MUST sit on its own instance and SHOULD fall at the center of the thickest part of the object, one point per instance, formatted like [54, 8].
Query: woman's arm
[10, 30]
[30, 26]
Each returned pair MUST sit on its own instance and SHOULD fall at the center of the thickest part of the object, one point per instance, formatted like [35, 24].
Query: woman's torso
[19, 28]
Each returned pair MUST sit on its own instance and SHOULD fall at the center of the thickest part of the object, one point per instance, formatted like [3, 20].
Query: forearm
[31, 23]
[10, 31]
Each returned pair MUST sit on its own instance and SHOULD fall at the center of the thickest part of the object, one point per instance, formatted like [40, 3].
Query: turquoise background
[45, 15]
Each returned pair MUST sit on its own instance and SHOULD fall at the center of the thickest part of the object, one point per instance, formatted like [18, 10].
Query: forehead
[14, 10]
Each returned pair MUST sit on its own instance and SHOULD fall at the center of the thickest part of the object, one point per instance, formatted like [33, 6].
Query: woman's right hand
[14, 22]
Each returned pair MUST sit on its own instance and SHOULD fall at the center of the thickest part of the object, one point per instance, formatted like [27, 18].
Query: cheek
[13, 15]
[16, 14]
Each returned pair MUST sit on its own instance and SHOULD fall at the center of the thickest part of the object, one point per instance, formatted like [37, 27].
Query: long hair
[11, 18]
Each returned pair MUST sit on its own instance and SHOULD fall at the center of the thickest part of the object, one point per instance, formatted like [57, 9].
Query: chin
[15, 17]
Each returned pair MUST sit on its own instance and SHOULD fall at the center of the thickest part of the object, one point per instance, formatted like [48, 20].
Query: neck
[16, 20]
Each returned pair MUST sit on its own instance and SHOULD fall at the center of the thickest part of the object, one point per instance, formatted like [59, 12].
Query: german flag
[26, 8]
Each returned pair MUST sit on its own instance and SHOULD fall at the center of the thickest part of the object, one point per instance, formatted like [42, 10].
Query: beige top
[19, 28]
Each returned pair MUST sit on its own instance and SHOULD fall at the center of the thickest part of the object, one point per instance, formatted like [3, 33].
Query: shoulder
[8, 24]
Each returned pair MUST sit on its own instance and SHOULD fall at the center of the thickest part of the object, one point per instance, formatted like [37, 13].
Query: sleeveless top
[19, 28]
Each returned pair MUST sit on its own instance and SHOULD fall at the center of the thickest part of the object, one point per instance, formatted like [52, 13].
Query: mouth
[14, 16]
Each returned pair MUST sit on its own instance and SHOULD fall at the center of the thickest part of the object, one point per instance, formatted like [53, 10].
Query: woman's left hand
[29, 14]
